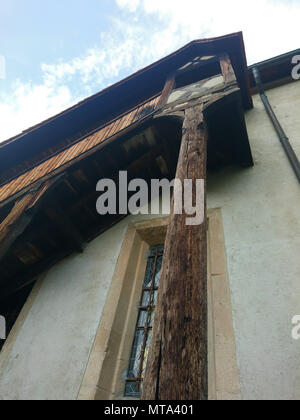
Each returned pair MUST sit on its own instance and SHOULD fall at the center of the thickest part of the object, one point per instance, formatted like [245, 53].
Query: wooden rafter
[32, 274]
[64, 224]
[21, 215]
[168, 87]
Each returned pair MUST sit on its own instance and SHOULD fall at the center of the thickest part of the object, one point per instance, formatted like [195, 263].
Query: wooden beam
[18, 229]
[61, 169]
[32, 274]
[64, 224]
[177, 361]
[134, 167]
[227, 69]
[169, 86]
[196, 65]
[22, 215]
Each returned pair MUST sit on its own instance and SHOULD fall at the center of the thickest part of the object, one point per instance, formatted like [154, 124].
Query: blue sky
[60, 51]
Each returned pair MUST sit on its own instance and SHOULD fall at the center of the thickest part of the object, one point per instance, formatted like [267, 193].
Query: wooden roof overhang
[144, 140]
[274, 72]
[21, 152]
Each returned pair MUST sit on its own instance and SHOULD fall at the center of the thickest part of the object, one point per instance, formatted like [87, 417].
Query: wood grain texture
[227, 69]
[74, 153]
[21, 216]
[169, 86]
[177, 362]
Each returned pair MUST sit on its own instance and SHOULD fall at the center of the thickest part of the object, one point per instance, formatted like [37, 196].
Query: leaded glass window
[143, 331]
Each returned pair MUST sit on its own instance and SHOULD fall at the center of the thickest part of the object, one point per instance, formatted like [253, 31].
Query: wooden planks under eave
[78, 149]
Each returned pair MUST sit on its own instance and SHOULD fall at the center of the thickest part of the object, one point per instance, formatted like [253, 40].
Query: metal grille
[143, 331]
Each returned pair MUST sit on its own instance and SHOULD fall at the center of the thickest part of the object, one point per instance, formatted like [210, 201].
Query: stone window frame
[106, 371]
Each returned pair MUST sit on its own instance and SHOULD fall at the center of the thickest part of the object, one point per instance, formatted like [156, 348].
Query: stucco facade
[48, 351]
[260, 208]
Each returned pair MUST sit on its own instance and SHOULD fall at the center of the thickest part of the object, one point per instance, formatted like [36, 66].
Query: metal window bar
[143, 330]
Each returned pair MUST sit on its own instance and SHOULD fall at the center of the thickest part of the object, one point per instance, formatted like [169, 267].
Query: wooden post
[177, 361]
[227, 69]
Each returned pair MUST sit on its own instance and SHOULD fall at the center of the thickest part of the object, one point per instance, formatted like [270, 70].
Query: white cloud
[132, 5]
[124, 49]
[120, 51]
[145, 31]
[63, 84]
[270, 27]
[29, 104]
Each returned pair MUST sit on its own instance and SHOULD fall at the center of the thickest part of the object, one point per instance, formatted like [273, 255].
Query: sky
[54, 53]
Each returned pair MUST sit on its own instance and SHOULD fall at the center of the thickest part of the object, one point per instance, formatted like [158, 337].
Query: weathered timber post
[177, 361]
[227, 69]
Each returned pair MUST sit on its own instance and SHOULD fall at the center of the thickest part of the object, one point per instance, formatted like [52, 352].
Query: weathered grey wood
[25, 218]
[227, 69]
[205, 97]
[177, 361]
[169, 86]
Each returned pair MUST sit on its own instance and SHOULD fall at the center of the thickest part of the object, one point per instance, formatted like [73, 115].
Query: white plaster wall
[260, 208]
[49, 356]
[286, 103]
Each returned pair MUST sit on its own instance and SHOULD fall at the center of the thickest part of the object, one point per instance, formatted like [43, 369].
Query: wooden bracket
[169, 86]
[227, 69]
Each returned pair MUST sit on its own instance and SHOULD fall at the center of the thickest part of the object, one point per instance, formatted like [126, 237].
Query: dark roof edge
[274, 72]
[130, 77]
[275, 60]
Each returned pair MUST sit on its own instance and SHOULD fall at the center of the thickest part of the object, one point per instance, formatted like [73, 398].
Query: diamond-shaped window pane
[132, 389]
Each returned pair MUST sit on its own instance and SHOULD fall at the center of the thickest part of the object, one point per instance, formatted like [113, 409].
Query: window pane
[139, 352]
[146, 298]
[136, 355]
[146, 353]
[149, 272]
[154, 298]
[132, 389]
[152, 313]
[142, 319]
[160, 249]
[158, 271]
